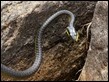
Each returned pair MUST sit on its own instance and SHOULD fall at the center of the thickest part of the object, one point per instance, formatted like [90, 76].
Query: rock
[20, 22]
[96, 66]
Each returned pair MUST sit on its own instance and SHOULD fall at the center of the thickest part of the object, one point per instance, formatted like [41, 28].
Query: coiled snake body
[38, 57]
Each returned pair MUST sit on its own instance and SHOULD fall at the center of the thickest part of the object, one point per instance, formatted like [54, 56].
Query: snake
[38, 55]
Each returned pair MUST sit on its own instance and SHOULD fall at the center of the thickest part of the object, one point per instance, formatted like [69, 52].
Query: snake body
[38, 55]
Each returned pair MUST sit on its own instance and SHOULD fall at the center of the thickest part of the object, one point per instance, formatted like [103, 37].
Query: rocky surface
[62, 58]
[96, 66]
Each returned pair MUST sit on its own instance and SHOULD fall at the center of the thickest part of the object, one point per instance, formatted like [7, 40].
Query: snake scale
[38, 55]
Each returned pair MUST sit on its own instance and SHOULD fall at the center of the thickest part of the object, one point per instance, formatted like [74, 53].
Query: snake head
[73, 33]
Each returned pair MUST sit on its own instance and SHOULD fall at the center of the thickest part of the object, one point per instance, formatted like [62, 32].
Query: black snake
[38, 55]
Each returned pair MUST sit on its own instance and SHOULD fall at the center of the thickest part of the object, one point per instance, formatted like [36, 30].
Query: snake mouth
[77, 37]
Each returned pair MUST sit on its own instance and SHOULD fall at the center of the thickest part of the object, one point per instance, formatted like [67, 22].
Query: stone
[20, 22]
[96, 65]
